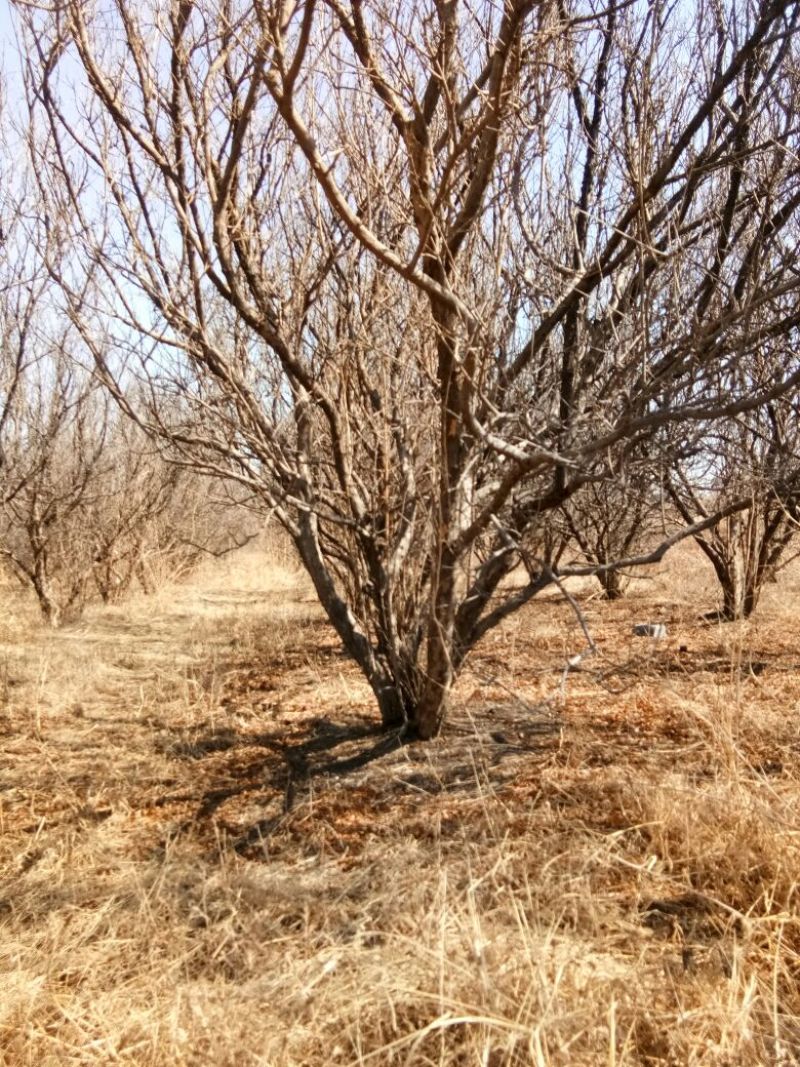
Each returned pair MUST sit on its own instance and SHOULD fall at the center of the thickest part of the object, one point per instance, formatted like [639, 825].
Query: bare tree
[47, 452]
[419, 273]
[201, 519]
[613, 520]
[52, 445]
[24, 287]
[148, 520]
[133, 495]
[756, 456]
[88, 503]
[93, 507]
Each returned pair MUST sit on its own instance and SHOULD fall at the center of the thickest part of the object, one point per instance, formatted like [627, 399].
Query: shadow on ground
[249, 784]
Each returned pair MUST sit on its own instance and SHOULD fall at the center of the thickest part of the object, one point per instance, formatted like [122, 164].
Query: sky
[9, 59]
[7, 44]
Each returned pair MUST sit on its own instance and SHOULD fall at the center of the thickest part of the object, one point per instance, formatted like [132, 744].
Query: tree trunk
[49, 608]
[732, 598]
[431, 711]
[740, 593]
[440, 669]
[48, 605]
[395, 705]
[613, 584]
[752, 595]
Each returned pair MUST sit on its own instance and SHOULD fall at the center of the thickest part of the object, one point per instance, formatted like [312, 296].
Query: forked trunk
[732, 608]
[51, 613]
[740, 582]
[440, 669]
[419, 697]
[420, 711]
[751, 598]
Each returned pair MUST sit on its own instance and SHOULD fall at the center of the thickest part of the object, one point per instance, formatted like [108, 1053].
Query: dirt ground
[208, 855]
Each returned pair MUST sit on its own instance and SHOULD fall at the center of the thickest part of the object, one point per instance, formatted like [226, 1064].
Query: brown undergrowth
[209, 856]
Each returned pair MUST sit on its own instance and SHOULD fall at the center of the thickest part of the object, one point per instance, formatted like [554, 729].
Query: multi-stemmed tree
[417, 273]
[612, 520]
[754, 457]
[52, 447]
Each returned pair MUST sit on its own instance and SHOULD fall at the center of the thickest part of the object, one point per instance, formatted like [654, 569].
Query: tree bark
[732, 597]
[613, 584]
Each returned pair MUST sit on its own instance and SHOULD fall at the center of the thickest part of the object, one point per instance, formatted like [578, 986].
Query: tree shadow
[270, 766]
[249, 784]
[686, 663]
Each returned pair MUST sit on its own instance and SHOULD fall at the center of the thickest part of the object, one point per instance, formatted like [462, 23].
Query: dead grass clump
[736, 840]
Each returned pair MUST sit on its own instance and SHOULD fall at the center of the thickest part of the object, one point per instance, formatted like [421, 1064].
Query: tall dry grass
[197, 868]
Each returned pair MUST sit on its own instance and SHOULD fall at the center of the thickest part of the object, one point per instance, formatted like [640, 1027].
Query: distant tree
[53, 446]
[87, 501]
[614, 520]
[148, 520]
[48, 449]
[132, 494]
[420, 273]
[202, 519]
[757, 457]
[93, 508]
[24, 287]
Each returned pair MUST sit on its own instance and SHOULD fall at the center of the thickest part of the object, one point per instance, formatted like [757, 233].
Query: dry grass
[201, 866]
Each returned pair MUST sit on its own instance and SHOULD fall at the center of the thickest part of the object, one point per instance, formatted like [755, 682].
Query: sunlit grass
[613, 881]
